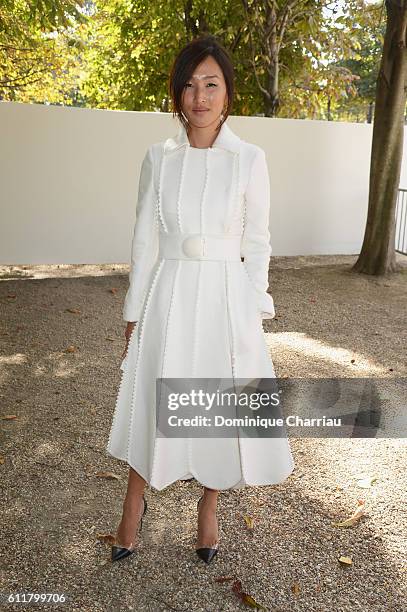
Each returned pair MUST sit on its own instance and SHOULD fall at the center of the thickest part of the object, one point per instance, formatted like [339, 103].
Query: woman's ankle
[209, 502]
[133, 502]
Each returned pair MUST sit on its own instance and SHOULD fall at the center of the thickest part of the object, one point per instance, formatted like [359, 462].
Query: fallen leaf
[349, 522]
[73, 310]
[237, 586]
[107, 475]
[113, 290]
[366, 483]
[345, 560]
[224, 578]
[9, 417]
[70, 349]
[295, 587]
[2, 459]
[249, 521]
[247, 599]
[110, 338]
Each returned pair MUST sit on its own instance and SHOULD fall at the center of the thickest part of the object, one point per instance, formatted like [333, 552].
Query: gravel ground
[329, 322]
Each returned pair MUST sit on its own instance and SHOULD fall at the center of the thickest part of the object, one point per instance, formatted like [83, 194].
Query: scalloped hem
[210, 485]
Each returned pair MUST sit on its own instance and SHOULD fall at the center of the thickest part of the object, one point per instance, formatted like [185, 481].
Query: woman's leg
[207, 521]
[133, 507]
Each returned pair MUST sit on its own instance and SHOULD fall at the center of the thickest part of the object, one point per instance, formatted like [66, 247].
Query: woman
[193, 308]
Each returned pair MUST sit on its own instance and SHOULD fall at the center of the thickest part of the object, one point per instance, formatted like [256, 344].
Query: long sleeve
[144, 248]
[255, 245]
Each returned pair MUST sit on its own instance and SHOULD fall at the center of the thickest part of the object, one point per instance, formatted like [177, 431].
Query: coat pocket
[246, 325]
[251, 291]
[263, 301]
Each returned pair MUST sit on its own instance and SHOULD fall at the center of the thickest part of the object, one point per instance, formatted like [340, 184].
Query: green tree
[30, 45]
[369, 26]
[377, 255]
[289, 56]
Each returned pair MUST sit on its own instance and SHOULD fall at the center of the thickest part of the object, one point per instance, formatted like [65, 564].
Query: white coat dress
[199, 307]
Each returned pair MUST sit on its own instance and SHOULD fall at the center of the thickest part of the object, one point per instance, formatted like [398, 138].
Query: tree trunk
[377, 255]
[369, 117]
[272, 99]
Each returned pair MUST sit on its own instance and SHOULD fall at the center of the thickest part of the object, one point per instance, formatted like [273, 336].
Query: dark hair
[190, 56]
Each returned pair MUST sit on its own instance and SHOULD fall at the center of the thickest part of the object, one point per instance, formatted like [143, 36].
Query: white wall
[69, 177]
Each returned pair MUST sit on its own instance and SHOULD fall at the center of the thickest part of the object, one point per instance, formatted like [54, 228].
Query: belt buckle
[194, 246]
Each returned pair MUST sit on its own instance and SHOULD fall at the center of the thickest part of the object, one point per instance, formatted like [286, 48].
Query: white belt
[200, 246]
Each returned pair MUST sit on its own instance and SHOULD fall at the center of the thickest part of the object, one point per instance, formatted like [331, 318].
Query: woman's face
[205, 94]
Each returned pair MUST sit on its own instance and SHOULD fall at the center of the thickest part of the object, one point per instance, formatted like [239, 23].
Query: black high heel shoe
[120, 552]
[206, 554]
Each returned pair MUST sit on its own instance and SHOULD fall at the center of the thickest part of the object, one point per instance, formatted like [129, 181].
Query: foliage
[32, 35]
[297, 58]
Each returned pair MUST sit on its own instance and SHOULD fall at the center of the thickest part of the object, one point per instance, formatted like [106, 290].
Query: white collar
[226, 139]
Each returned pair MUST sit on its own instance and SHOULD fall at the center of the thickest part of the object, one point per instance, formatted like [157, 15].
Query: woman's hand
[127, 334]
